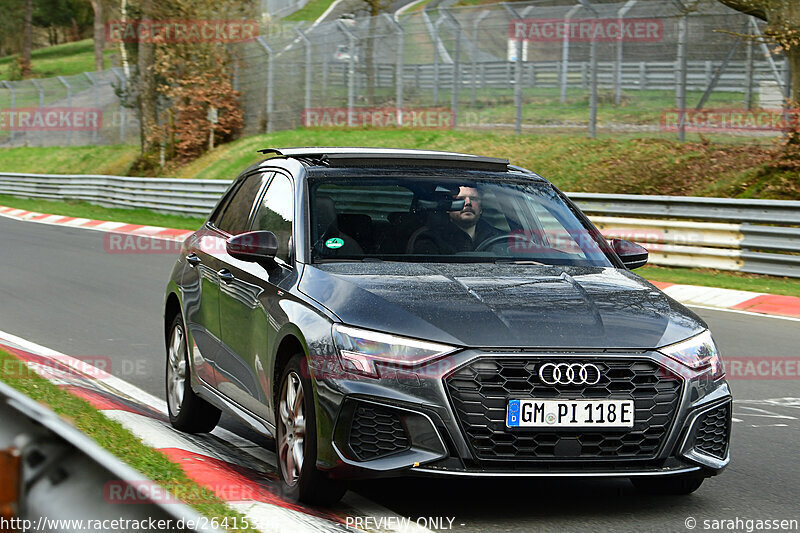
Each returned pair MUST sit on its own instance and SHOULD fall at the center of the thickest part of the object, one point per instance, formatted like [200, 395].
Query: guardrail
[754, 236]
[53, 475]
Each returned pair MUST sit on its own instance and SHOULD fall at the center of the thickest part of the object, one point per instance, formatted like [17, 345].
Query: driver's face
[471, 212]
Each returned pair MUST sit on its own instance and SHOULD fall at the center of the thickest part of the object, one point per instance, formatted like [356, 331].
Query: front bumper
[407, 423]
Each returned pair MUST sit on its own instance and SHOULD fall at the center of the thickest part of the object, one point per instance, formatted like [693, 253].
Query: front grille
[713, 429]
[480, 391]
[376, 433]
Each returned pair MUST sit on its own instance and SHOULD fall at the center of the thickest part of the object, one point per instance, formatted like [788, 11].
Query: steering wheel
[491, 241]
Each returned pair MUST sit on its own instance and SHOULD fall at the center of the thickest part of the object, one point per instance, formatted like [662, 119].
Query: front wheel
[678, 484]
[296, 444]
[187, 411]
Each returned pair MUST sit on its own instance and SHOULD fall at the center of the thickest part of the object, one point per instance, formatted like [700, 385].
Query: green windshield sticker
[334, 243]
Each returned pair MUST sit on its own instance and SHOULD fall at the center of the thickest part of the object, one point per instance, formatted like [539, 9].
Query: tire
[187, 411]
[296, 438]
[676, 485]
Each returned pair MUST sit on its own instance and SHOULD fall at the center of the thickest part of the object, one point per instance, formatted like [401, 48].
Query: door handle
[225, 275]
[193, 259]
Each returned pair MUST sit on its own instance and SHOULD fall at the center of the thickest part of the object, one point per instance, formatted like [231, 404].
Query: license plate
[570, 413]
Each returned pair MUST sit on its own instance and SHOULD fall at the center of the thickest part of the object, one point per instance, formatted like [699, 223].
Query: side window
[276, 212]
[237, 212]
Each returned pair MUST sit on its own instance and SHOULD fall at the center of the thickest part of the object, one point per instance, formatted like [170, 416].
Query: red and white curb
[98, 225]
[237, 470]
[712, 297]
[747, 301]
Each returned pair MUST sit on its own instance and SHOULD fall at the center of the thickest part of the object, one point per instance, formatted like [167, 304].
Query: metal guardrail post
[351, 71]
[482, 15]
[123, 100]
[96, 101]
[307, 44]
[270, 79]
[618, 67]
[399, 67]
[13, 106]
[565, 52]
[69, 103]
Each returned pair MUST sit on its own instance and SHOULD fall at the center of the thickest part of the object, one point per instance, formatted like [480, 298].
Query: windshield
[435, 219]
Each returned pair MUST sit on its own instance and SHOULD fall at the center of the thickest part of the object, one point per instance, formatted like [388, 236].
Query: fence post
[69, 104]
[351, 71]
[123, 100]
[307, 43]
[483, 14]
[436, 60]
[456, 67]
[517, 74]
[748, 73]
[680, 88]
[565, 52]
[592, 74]
[270, 86]
[618, 67]
[399, 68]
[96, 101]
[41, 92]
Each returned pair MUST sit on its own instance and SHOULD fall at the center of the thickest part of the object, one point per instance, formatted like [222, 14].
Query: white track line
[750, 313]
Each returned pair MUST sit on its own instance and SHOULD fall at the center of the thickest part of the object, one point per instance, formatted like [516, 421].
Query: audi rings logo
[569, 374]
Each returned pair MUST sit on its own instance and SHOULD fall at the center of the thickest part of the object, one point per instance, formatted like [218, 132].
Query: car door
[249, 312]
[206, 260]
[201, 291]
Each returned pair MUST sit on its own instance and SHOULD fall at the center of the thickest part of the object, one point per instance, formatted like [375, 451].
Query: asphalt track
[59, 287]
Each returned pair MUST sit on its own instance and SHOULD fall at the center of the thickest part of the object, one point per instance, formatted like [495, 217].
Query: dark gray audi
[400, 312]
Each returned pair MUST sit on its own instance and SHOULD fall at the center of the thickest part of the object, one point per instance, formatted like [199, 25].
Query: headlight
[698, 352]
[360, 349]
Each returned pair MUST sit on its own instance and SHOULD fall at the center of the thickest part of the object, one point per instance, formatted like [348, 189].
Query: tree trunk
[99, 34]
[148, 112]
[27, 39]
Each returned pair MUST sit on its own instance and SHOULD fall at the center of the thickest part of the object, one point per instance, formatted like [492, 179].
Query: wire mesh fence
[642, 66]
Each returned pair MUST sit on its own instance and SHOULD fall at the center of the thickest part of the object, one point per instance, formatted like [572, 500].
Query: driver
[464, 231]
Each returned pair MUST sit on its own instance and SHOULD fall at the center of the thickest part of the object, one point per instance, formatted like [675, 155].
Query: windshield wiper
[501, 261]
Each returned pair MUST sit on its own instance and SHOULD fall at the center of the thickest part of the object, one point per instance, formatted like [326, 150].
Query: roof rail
[353, 156]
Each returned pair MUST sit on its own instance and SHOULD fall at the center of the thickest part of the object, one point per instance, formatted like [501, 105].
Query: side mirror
[254, 246]
[632, 255]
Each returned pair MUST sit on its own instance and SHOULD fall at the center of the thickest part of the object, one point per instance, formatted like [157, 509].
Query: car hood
[502, 306]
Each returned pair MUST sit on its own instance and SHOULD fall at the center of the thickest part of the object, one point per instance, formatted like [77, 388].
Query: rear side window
[235, 215]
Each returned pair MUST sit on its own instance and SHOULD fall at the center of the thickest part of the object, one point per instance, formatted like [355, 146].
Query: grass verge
[115, 438]
[723, 279]
[114, 160]
[310, 12]
[65, 59]
[75, 208]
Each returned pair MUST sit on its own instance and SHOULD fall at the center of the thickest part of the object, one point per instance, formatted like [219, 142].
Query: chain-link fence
[530, 67]
[84, 109]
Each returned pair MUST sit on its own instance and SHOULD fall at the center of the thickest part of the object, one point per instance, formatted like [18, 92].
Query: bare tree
[27, 39]
[99, 34]
[783, 28]
[148, 96]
